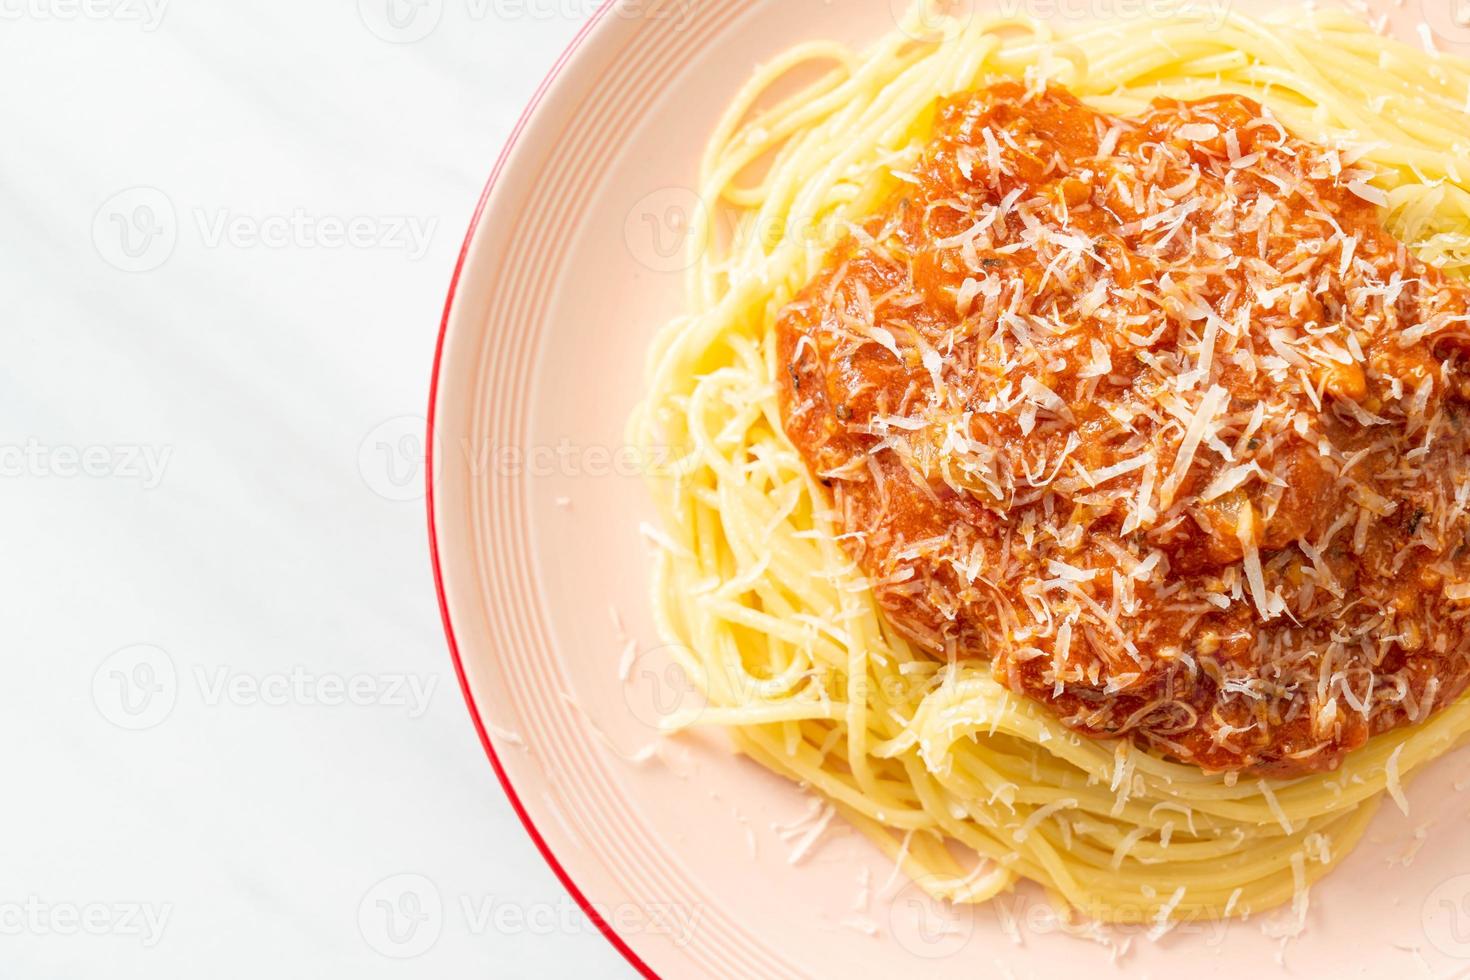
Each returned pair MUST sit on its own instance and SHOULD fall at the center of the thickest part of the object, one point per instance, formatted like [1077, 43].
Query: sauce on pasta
[1155, 416]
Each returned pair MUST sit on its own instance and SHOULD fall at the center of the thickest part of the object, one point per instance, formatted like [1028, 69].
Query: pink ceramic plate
[694, 862]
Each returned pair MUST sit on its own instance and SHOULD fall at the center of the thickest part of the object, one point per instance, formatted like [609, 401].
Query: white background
[212, 525]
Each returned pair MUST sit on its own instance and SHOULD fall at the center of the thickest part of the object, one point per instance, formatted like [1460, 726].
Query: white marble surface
[228, 710]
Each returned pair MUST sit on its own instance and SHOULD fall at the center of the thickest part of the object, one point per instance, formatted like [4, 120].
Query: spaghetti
[968, 785]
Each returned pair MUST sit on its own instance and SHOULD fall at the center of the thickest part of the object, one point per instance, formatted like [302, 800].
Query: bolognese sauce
[1155, 416]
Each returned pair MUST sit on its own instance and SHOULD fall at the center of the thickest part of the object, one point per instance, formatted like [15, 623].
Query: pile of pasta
[966, 785]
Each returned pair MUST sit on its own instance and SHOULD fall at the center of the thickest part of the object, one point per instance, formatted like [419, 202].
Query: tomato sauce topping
[1155, 416]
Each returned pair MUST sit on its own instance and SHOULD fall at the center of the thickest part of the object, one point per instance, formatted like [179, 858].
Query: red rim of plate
[515, 801]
